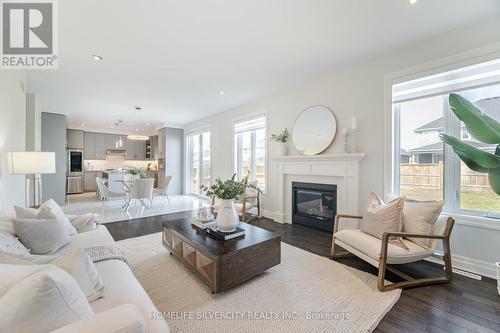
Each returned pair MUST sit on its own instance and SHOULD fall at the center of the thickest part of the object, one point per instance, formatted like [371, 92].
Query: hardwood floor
[464, 305]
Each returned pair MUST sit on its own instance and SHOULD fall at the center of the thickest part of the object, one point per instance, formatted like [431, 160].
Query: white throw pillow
[85, 222]
[383, 217]
[42, 302]
[10, 244]
[48, 210]
[57, 211]
[42, 236]
[25, 213]
[419, 217]
[77, 263]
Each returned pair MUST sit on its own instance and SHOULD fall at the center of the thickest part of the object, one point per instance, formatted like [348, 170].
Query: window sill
[475, 221]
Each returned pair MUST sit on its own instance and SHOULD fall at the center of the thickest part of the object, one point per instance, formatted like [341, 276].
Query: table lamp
[32, 163]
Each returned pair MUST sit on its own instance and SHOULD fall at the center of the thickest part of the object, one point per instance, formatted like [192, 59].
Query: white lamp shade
[31, 162]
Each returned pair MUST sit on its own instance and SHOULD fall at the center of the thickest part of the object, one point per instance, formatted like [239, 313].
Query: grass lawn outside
[472, 200]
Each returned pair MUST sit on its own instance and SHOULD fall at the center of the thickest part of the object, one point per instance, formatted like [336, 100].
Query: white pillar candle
[354, 123]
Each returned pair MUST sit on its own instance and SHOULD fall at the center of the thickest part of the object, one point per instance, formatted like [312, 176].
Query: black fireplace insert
[314, 205]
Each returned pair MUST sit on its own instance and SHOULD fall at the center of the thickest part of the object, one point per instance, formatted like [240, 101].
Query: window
[426, 169]
[250, 150]
[198, 161]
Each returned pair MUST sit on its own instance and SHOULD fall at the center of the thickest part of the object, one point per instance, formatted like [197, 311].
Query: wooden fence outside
[431, 176]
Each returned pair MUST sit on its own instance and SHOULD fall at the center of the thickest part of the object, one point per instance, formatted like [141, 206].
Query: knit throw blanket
[101, 253]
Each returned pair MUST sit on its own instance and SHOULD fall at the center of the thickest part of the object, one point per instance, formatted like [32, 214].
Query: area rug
[305, 293]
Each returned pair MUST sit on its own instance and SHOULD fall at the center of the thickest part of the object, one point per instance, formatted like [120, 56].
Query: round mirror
[314, 130]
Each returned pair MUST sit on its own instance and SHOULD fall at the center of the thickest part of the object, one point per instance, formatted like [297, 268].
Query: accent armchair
[381, 253]
[249, 200]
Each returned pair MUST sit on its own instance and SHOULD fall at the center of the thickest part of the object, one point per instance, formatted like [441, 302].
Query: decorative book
[225, 235]
[203, 225]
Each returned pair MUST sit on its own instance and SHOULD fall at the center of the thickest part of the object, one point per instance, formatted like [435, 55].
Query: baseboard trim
[476, 266]
[276, 217]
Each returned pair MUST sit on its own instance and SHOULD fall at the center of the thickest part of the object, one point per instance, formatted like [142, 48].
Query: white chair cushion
[371, 246]
[42, 301]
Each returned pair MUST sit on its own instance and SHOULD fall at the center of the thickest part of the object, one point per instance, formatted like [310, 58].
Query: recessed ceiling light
[147, 124]
[412, 2]
[137, 130]
[83, 124]
[138, 108]
[222, 92]
[97, 57]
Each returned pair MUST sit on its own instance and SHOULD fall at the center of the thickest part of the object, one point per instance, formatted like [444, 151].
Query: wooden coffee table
[222, 264]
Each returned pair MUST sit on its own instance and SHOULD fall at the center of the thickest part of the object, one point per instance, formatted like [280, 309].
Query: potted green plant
[282, 139]
[485, 129]
[226, 191]
[139, 172]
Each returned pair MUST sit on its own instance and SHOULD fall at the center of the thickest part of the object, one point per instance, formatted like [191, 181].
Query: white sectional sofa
[125, 307]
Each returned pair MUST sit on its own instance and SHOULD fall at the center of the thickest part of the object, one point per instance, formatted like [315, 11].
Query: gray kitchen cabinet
[74, 139]
[141, 150]
[131, 150]
[115, 141]
[100, 146]
[111, 141]
[122, 139]
[89, 146]
[89, 183]
[136, 150]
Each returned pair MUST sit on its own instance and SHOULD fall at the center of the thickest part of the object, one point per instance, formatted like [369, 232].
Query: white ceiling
[174, 56]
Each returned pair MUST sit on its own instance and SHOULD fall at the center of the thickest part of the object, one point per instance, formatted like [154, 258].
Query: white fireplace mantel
[341, 169]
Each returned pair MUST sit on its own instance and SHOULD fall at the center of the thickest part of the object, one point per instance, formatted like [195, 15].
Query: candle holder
[354, 141]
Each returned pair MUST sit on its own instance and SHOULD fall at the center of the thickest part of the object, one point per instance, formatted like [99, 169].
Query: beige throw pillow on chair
[383, 217]
[419, 217]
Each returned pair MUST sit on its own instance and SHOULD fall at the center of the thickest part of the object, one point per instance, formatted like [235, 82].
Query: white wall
[12, 135]
[33, 123]
[359, 90]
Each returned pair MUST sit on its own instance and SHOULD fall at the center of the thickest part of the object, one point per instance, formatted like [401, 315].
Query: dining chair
[162, 188]
[105, 192]
[142, 190]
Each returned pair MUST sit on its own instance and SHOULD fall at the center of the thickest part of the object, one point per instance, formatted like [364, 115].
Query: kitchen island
[115, 179]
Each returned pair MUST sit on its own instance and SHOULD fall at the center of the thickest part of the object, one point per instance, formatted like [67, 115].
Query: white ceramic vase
[498, 277]
[227, 218]
[283, 149]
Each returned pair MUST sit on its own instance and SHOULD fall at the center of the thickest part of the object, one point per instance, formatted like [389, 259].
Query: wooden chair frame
[409, 281]
[243, 210]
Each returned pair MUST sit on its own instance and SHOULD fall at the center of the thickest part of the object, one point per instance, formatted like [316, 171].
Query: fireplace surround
[340, 169]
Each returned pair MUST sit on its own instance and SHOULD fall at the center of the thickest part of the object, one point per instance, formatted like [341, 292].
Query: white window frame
[187, 159]
[249, 117]
[451, 167]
